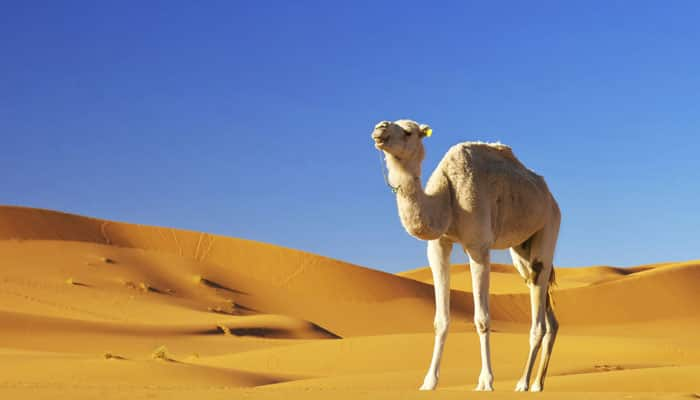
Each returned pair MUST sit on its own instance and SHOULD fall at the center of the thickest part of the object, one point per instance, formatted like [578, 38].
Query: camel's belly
[513, 239]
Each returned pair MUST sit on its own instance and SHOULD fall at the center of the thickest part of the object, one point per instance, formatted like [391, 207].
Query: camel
[481, 197]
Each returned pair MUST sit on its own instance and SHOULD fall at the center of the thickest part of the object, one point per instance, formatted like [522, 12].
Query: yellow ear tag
[428, 132]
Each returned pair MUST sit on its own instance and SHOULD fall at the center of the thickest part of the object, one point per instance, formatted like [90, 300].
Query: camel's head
[402, 139]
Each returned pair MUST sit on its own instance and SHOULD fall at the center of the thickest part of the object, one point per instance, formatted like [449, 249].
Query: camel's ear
[425, 130]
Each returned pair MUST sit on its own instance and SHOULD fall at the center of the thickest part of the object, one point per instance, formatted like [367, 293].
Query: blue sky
[253, 119]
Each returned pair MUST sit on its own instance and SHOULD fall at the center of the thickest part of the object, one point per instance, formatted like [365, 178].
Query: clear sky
[253, 118]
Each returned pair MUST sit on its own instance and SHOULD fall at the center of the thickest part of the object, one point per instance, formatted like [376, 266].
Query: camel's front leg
[439, 259]
[480, 270]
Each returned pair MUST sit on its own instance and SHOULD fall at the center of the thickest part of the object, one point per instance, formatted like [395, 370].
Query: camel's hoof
[485, 384]
[536, 387]
[483, 388]
[429, 384]
[521, 386]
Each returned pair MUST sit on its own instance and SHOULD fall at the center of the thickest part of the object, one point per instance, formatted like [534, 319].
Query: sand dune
[259, 276]
[85, 303]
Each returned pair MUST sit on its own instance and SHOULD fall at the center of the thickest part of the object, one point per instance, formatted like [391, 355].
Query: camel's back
[489, 181]
[479, 159]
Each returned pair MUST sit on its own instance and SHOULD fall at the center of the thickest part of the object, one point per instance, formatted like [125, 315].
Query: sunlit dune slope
[194, 271]
[45, 369]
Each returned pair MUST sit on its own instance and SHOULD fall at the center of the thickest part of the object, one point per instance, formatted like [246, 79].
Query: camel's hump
[502, 149]
[495, 148]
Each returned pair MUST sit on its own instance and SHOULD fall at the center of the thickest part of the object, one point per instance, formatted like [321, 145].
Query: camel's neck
[425, 215]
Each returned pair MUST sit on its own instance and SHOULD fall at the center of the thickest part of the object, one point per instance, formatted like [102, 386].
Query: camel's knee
[441, 326]
[482, 324]
[537, 333]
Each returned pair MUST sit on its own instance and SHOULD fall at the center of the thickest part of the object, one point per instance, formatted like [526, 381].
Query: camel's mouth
[380, 141]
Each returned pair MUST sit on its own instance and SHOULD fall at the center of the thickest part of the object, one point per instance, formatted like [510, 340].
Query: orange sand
[85, 303]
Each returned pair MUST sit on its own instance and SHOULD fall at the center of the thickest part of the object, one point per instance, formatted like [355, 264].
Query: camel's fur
[481, 197]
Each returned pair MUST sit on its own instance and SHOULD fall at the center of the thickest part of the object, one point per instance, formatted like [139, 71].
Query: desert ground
[92, 308]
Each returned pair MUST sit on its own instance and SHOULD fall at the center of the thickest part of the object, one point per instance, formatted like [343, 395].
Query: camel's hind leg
[551, 323]
[550, 334]
[536, 262]
[439, 258]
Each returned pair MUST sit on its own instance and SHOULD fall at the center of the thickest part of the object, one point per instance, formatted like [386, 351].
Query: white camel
[481, 197]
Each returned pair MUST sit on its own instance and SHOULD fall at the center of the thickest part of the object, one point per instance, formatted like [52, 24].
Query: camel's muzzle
[380, 136]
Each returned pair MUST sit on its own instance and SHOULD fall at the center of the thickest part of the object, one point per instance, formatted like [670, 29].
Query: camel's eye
[405, 132]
